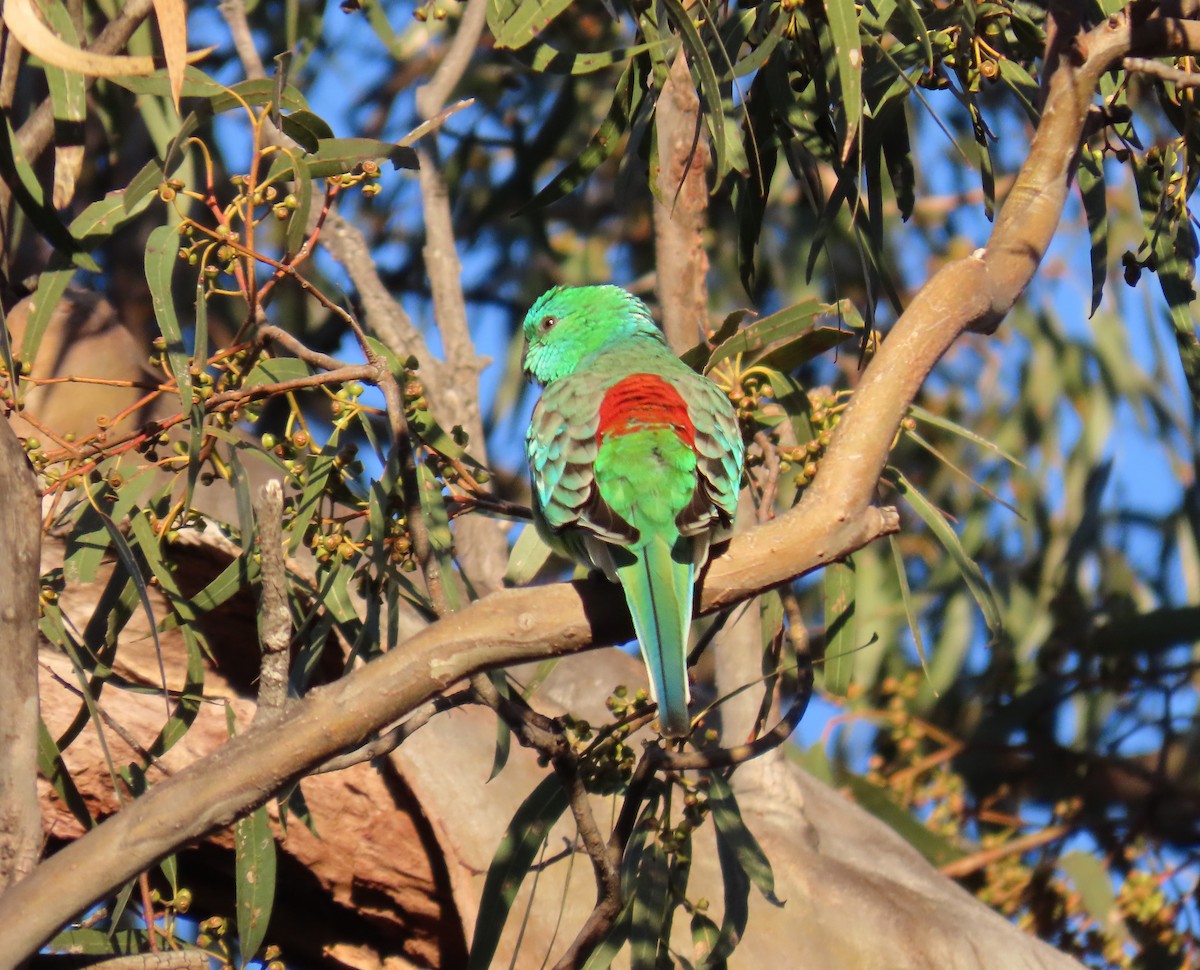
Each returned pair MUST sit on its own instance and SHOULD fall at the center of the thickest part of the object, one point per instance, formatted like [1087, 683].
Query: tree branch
[681, 210]
[276, 619]
[20, 537]
[833, 519]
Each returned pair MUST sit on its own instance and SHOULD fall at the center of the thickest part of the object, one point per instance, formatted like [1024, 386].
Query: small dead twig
[389, 741]
[1173, 75]
[276, 633]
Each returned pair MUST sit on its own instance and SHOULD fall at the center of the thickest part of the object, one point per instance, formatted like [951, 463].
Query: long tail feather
[658, 588]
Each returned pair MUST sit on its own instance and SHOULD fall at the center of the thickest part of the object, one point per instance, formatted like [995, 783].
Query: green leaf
[162, 253]
[706, 78]
[52, 767]
[549, 59]
[254, 875]
[514, 23]
[1092, 190]
[51, 286]
[706, 935]
[945, 424]
[971, 573]
[839, 588]
[912, 17]
[254, 93]
[514, 856]
[603, 143]
[1093, 881]
[910, 611]
[187, 707]
[302, 189]
[770, 332]
[150, 552]
[26, 191]
[843, 27]
[503, 734]
[529, 554]
[936, 848]
[649, 909]
[276, 370]
[732, 831]
[339, 156]
[736, 886]
[68, 98]
[697, 357]
[306, 129]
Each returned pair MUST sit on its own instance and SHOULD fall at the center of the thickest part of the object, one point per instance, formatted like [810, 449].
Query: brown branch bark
[20, 537]
[834, 518]
[480, 543]
[276, 619]
[681, 210]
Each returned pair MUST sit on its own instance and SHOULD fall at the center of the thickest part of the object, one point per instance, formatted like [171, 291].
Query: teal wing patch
[719, 454]
[561, 447]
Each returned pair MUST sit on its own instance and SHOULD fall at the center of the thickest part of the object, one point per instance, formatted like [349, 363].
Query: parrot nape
[636, 461]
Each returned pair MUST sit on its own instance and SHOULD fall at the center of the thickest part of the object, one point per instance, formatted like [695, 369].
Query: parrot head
[570, 323]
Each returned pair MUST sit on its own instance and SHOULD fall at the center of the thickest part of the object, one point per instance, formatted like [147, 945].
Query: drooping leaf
[339, 156]
[1095, 205]
[514, 23]
[603, 143]
[712, 103]
[254, 875]
[68, 98]
[649, 914]
[514, 856]
[1093, 882]
[162, 254]
[307, 129]
[839, 583]
[26, 191]
[732, 830]
[847, 52]
[941, 528]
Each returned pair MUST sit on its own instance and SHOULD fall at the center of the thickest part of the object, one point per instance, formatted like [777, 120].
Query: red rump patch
[644, 401]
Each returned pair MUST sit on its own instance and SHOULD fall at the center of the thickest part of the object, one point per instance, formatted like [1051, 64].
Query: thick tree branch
[20, 537]
[833, 519]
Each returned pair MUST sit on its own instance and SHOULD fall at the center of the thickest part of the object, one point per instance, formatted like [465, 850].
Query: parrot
[636, 462]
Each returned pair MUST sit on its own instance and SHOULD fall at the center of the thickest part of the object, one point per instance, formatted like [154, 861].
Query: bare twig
[608, 903]
[234, 14]
[276, 619]
[390, 741]
[1018, 846]
[115, 726]
[606, 862]
[1175, 75]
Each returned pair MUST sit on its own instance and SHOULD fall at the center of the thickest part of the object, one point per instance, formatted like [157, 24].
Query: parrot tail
[658, 583]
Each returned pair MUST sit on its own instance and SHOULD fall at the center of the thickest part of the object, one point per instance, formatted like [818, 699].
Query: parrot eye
[547, 324]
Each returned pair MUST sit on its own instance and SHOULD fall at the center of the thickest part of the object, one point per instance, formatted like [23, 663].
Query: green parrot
[636, 461]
